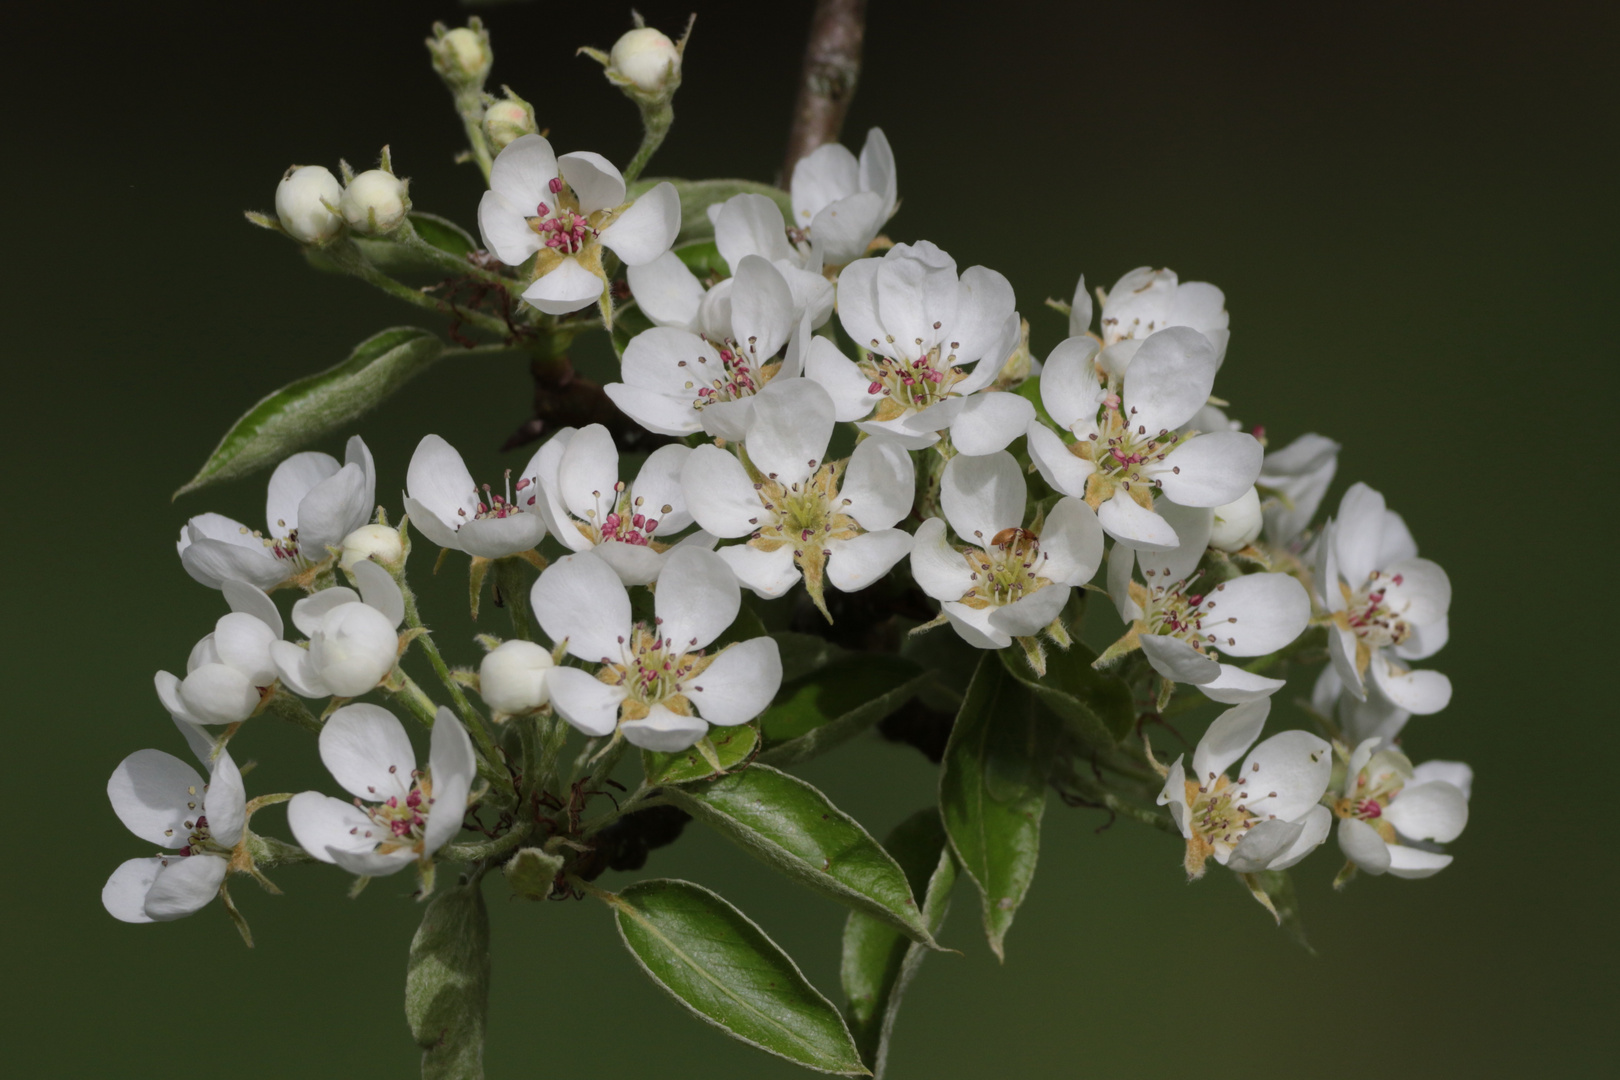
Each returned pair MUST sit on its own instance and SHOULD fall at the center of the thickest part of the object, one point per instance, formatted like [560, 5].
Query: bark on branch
[832, 63]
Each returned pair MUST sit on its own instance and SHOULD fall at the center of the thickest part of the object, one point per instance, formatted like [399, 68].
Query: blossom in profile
[1392, 813]
[229, 672]
[840, 202]
[449, 508]
[353, 637]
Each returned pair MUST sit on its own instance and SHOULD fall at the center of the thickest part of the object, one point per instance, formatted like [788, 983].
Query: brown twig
[832, 63]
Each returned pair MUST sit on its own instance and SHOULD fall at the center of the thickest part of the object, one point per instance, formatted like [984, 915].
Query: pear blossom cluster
[835, 417]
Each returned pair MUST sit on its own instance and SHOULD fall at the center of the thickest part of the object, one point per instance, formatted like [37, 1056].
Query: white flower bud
[374, 202]
[219, 694]
[1237, 523]
[379, 543]
[512, 678]
[303, 199]
[646, 59]
[462, 56]
[354, 648]
[508, 120]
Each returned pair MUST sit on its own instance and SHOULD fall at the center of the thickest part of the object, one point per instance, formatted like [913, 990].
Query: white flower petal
[1424, 641]
[635, 565]
[366, 750]
[587, 474]
[1358, 533]
[333, 509]
[226, 801]
[990, 421]
[320, 822]
[750, 224]
[451, 762]
[826, 174]
[1234, 686]
[155, 794]
[877, 171]
[309, 614]
[496, 538]
[857, 304]
[579, 599]
[379, 590]
[988, 367]
[897, 428]
[1064, 471]
[657, 494]
[768, 574]
[1315, 826]
[523, 171]
[916, 303]
[1455, 773]
[1255, 614]
[663, 731]
[585, 702]
[1178, 661]
[252, 600]
[719, 493]
[792, 425]
[738, 684]
[1069, 387]
[761, 310]
[666, 291]
[1417, 589]
[567, 287]
[1126, 521]
[1301, 473]
[354, 649]
[645, 231]
[1168, 381]
[297, 671]
[1286, 774]
[838, 375]
[219, 694]
[728, 420]
[1434, 810]
[842, 231]
[697, 598]
[124, 895]
[973, 626]
[183, 886]
[983, 495]
[438, 479]
[1192, 527]
[1262, 845]
[858, 562]
[1412, 863]
[879, 483]
[1210, 470]
[1032, 614]
[243, 642]
[939, 569]
[372, 863]
[294, 478]
[1228, 738]
[505, 230]
[1174, 793]
[212, 561]
[1072, 542]
[655, 410]
[1420, 692]
[984, 301]
[1080, 309]
[1363, 846]
[596, 181]
[1121, 561]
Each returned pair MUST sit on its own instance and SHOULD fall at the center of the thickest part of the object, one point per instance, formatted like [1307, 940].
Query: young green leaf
[1097, 707]
[447, 985]
[731, 744]
[818, 712]
[804, 654]
[703, 259]
[698, 195]
[303, 411]
[793, 828]
[878, 962]
[992, 790]
[717, 963]
[1277, 886]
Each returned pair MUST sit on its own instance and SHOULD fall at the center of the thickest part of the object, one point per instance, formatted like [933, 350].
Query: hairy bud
[1237, 523]
[375, 202]
[306, 200]
[512, 678]
[507, 120]
[462, 56]
[646, 59]
[379, 543]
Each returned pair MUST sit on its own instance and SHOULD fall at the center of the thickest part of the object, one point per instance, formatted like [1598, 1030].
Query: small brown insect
[1013, 537]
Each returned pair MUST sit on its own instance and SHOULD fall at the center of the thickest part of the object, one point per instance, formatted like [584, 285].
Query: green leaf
[1278, 887]
[992, 791]
[1097, 708]
[745, 627]
[1031, 388]
[444, 234]
[303, 411]
[703, 259]
[698, 195]
[818, 712]
[732, 745]
[447, 985]
[878, 963]
[394, 257]
[791, 827]
[716, 962]
[804, 654]
[627, 323]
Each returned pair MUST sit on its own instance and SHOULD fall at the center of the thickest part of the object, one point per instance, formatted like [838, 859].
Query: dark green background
[1411, 214]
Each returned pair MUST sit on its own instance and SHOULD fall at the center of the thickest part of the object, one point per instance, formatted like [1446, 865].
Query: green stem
[284, 706]
[470, 106]
[509, 582]
[481, 850]
[403, 689]
[655, 123]
[346, 257]
[269, 853]
[406, 234]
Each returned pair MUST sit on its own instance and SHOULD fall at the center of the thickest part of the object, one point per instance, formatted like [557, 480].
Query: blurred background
[1411, 210]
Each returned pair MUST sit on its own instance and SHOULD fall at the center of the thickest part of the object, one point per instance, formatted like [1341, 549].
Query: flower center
[198, 839]
[910, 385]
[560, 224]
[492, 504]
[1368, 617]
[282, 547]
[1172, 609]
[803, 515]
[651, 670]
[1376, 786]
[1123, 455]
[626, 519]
[1006, 572]
[739, 375]
[399, 820]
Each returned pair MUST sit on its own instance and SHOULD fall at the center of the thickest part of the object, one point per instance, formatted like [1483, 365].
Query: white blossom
[1014, 580]
[839, 203]
[313, 503]
[1295, 478]
[1129, 448]
[669, 294]
[450, 509]
[1146, 301]
[398, 815]
[512, 678]
[1358, 718]
[919, 326]
[1269, 815]
[229, 672]
[1184, 628]
[1237, 524]
[563, 211]
[353, 637]
[678, 383]
[657, 686]
[1388, 606]
[1390, 812]
[164, 801]
[803, 514]
[588, 508]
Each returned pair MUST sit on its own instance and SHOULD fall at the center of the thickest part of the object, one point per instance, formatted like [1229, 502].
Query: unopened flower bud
[508, 120]
[375, 202]
[462, 56]
[646, 59]
[1237, 523]
[379, 543]
[305, 200]
[512, 678]
[531, 872]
